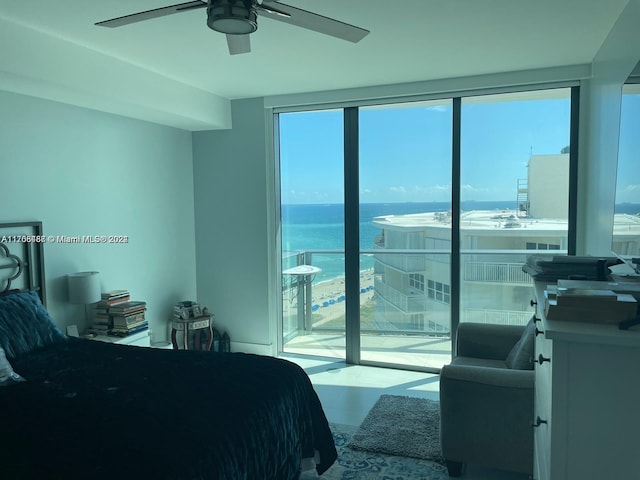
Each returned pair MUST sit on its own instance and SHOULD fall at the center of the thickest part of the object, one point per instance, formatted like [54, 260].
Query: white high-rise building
[413, 289]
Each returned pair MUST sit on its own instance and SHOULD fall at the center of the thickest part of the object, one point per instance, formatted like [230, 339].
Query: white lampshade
[84, 287]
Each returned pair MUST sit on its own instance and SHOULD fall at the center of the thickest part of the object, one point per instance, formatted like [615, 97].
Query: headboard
[22, 257]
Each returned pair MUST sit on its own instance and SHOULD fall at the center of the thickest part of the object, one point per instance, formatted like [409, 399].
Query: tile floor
[348, 392]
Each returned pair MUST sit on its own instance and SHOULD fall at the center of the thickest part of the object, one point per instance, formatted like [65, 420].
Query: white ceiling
[179, 68]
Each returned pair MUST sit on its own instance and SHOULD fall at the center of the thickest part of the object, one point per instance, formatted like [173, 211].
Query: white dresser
[587, 400]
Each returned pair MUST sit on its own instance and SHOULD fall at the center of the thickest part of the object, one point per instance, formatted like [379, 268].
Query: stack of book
[115, 296]
[102, 323]
[186, 309]
[128, 318]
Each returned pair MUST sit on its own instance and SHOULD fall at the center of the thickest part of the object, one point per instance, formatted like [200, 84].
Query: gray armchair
[486, 399]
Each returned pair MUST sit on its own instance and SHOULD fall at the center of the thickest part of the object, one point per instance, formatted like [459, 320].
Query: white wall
[600, 104]
[82, 172]
[232, 228]
[31, 66]
[548, 184]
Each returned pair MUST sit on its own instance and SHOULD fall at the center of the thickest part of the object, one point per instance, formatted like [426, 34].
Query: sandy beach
[328, 298]
[333, 289]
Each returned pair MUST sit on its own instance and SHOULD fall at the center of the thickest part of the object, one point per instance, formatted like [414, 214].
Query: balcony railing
[406, 299]
[500, 272]
[406, 303]
[500, 317]
[404, 263]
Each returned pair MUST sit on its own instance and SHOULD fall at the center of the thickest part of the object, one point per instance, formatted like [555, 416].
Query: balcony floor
[402, 350]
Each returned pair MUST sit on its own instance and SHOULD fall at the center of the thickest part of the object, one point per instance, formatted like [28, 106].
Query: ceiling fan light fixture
[233, 17]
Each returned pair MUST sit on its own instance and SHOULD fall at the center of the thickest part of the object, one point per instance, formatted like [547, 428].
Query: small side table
[197, 333]
[303, 276]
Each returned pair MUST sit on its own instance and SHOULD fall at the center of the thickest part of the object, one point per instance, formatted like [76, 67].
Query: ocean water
[321, 227]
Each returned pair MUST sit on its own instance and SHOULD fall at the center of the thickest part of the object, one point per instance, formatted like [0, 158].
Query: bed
[74, 408]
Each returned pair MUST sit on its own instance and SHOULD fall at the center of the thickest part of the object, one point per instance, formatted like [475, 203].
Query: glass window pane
[405, 203]
[312, 206]
[514, 197]
[626, 227]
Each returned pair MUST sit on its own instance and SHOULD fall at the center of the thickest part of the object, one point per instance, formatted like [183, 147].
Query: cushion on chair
[478, 362]
[521, 354]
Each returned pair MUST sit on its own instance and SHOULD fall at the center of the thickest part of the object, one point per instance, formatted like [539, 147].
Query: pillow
[9, 292]
[7, 375]
[25, 324]
[521, 354]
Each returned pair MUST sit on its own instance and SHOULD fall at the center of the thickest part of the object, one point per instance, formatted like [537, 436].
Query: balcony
[402, 262]
[422, 352]
[399, 323]
[501, 317]
[413, 302]
[497, 272]
[410, 261]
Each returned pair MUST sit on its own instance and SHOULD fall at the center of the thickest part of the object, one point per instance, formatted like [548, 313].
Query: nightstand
[139, 339]
[193, 333]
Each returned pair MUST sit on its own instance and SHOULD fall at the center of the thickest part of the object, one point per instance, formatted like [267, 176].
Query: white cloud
[470, 188]
[629, 194]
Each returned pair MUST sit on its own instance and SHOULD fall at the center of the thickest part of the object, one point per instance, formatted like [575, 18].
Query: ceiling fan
[239, 18]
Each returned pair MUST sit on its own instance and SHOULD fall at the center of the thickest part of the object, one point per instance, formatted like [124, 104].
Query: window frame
[350, 110]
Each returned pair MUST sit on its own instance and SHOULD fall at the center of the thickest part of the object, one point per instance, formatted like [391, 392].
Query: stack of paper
[592, 305]
[554, 267]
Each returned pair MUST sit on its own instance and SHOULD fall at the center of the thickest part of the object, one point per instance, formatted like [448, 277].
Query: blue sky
[628, 187]
[405, 151]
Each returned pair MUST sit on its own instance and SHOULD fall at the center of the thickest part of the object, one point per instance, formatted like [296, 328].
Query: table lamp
[84, 288]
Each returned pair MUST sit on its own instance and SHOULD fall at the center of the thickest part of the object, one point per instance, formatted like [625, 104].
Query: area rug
[399, 425]
[360, 465]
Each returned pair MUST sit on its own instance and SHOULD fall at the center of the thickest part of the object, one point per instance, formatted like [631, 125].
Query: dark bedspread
[95, 410]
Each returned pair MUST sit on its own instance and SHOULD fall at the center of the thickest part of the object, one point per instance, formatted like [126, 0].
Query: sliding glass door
[405, 232]
[401, 220]
[626, 226]
[515, 164]
[312, 234]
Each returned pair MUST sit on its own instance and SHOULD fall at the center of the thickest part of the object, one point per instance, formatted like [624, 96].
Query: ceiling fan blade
[271, 9]
[149, 14]
[238, 44]
[310, 21]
